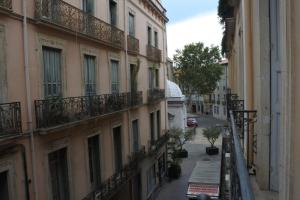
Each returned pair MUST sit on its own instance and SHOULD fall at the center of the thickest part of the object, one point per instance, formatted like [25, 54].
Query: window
[151, 179]
[131, 27]
[4, 191]
[113, 12]
[152, 127]
[88, 6]
[58, 166]
[135, 135]
[118, 148]
[155, 39]
[114, 76]
[52, 72]
[133, 77]
[149, 32]
[94, 161]
[3, 75]
[153, 78]
[90, 75]
[158, 124]
[156, 78]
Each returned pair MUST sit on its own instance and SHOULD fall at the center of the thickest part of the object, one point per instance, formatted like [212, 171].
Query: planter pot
[212, 150]
[174, 171]
[182, 154]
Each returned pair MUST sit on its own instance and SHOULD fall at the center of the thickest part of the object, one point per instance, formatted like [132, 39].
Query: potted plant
[178, 138]
[212, 134]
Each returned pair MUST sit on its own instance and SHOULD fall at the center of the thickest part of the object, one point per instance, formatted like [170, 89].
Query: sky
[192, 21]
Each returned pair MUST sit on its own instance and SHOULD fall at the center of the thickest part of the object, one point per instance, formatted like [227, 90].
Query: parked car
[192, 122]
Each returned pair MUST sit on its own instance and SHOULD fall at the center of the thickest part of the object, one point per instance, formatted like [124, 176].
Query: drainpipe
[28, 96]
[165, 77]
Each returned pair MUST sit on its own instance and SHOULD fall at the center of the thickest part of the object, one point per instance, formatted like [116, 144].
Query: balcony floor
[262, 194]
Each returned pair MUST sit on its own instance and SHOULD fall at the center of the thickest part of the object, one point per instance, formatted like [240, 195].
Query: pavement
[176, 189]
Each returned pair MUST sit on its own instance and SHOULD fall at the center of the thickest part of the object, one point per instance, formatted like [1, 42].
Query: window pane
[90, 75]
[149, 35]
[131, 24]
[113, 12]
[114, 76]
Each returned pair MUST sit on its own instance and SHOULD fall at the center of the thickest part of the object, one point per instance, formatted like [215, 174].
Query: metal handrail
[242, 172]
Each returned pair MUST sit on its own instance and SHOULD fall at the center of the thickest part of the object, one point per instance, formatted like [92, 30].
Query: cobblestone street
[176, 189]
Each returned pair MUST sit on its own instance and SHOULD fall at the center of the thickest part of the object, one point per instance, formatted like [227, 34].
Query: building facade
[219, 107]
[262, 50]
[82, 103]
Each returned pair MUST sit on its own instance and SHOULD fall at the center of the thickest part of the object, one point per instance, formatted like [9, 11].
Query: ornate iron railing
[10, 119]
[70, 18]
[6, 4]
[139, 155]
[155, 145]
[136, 98]
[155, 95]
[133, 45]
[112, 185]
[57, 111]
[153, 53]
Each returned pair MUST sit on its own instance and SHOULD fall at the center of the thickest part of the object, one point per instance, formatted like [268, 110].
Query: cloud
[202, 28]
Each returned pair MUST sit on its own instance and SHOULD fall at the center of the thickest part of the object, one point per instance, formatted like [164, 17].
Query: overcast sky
[192, 21]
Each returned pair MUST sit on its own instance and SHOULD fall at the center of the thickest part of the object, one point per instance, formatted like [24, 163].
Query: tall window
[94, 161]
[135, 135]
[151, 179]
[118, 148]
[59, 177]
[114, 76]
[113, 12]
[133, 77]
[88, 6]
[149, 32]
[155, 39]
[158, 124]
[52, 72]
[3, 76]
[152, 126]
[90, 75]
[4, 189]
[131, 27]
[153, 78]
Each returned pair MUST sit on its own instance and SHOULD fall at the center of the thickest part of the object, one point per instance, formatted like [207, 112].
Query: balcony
[133, 45]
[6, 5]
[112, 186]
[10, 119]
[155, 145]
[64, 16]
[153, 54]
[136, 98]
[58, 111]
[155, 95]
[139, 155]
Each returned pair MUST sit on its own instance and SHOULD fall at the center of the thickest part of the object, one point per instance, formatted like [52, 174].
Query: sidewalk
[176, 189]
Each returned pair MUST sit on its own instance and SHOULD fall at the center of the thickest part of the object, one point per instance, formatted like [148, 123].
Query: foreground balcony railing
[136, 98]
[57, 111]
[6, 4]
[70, 18]
[155, 95]
[133, 45]
[153, 53]
[138, 155]
[239, 187]
[112, 185]
[155, 145]
[10, 119]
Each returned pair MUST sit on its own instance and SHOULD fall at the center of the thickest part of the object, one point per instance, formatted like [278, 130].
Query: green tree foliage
[212, 134]
[198, 69]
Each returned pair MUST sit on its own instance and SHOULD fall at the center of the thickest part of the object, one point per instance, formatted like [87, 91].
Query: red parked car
[192, 122]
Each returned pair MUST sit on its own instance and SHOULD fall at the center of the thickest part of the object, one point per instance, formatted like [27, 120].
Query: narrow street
[176, 189]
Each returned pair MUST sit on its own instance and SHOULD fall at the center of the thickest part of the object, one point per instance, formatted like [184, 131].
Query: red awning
[196, 189]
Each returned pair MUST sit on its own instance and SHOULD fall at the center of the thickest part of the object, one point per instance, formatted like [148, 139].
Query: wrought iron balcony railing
[58, 111]
[74, 20]
[133, 45]
[10, 119]
[155, 145]
[155, 95]
[136, 98]
[6, 4]
[139, 155]
[153, 53]
[112, 185]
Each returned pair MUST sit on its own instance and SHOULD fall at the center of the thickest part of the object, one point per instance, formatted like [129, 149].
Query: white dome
[173, 90]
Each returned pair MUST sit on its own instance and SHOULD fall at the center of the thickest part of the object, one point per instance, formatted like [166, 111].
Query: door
[118, 148]
[275, 93]
[135, 134]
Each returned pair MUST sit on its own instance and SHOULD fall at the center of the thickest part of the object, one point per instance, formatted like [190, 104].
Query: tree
[212, 134]
[198, 69]
[179, 137]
